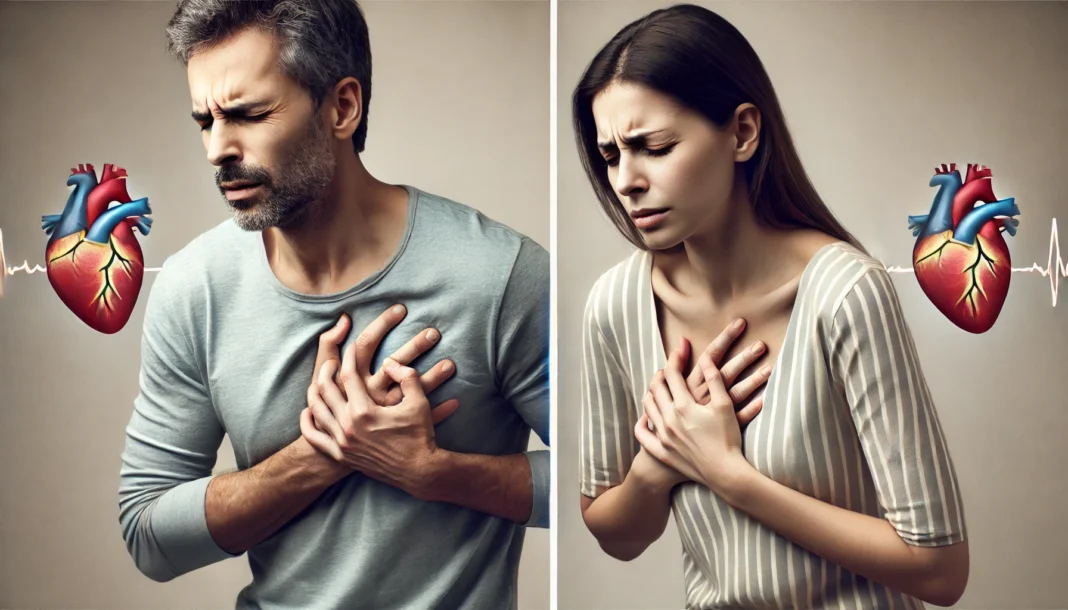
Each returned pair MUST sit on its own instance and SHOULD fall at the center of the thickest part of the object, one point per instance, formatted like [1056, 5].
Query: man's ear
[345, 104]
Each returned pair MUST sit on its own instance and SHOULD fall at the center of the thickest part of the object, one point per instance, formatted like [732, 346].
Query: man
[346, 495]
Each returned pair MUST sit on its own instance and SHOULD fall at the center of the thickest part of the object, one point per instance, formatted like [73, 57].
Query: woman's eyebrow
[637, 138]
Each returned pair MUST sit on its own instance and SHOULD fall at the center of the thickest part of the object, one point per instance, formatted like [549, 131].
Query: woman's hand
[654, 471]
[700, 442]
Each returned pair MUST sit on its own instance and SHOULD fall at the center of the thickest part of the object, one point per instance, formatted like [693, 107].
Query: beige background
[460, 108]
[877, 94]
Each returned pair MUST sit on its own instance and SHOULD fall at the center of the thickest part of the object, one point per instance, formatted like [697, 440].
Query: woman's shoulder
[620, 287]
[850, 275]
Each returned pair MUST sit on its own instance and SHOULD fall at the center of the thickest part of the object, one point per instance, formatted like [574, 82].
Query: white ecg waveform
[1056, 266]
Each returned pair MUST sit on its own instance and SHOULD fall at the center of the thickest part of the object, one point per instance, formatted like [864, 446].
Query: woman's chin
[661, 240]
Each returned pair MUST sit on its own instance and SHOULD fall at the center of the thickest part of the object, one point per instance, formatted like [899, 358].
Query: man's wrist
[322, 468]
[426, 485]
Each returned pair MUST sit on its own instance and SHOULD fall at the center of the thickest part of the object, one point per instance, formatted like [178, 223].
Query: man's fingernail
[432, 335]
[398, 309]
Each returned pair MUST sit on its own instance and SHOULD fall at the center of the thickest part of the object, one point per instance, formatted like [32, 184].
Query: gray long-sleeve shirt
[229, 349]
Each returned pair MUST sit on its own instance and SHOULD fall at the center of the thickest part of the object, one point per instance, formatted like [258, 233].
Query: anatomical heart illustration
[961, 259]
[94, 262]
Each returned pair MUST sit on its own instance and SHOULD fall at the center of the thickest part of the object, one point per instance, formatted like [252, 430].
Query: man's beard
[286, 199]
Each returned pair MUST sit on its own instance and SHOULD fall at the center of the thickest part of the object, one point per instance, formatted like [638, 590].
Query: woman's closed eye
[612, 159]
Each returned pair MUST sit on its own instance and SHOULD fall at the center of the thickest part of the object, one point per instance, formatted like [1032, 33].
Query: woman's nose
[629, 178]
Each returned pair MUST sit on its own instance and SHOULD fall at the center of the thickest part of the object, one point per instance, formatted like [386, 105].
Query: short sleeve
[875, 363]
[607, 443]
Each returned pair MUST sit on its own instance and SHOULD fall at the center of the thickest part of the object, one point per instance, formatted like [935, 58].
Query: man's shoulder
[453, 230]
[211, 258]
[462, 225]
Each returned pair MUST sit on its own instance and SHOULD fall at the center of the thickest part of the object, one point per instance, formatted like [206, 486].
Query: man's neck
[345, 238]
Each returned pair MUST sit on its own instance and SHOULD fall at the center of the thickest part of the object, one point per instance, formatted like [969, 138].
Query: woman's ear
[346, 108]
[746, 132]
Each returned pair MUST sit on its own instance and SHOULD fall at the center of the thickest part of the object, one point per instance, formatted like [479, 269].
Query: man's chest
[259, 384]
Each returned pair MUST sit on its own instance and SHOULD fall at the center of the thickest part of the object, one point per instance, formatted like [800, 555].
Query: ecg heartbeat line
[1056, 266]
[27, 269]
[1054, 269]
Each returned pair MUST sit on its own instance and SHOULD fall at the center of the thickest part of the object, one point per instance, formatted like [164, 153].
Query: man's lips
[239, 190]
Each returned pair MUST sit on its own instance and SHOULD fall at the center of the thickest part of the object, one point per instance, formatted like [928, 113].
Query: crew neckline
[362, 285]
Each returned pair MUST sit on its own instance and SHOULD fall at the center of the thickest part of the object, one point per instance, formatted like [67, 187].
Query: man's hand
[380, 387]
[392, 444]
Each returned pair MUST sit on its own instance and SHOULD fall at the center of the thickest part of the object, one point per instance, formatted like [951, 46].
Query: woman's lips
[648, 219]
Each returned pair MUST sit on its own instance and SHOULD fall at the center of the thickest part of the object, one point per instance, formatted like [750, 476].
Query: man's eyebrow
[637, 138]
[237, 110]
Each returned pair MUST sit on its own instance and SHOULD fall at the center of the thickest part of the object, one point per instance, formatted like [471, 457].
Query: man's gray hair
[322, 41]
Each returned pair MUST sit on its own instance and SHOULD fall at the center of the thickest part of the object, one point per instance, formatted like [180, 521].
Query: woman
[833, 487]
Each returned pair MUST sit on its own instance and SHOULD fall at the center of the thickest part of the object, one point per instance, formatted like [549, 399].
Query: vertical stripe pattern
[848, 419]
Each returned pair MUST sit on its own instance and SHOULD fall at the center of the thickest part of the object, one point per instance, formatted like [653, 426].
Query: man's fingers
[351, 380]
[328, 342]
[368, 341]
[742, 361]
[408, 379]
[316, 438]
[744, 388]
[324, 417]
[445, 409]
[416, 347]
[329, 390]
[437, 375]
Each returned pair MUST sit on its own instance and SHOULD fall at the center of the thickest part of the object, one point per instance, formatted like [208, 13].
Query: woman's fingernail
[738, 324]
[766, 371]
[446, 367]
[398, 309]
[758, 347]
[432, 335]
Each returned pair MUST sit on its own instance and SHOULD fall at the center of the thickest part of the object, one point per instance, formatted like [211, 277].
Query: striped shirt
[847, 418]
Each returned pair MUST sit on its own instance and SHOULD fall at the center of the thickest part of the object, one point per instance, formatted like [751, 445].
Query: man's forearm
[498, 485]
[246, 507]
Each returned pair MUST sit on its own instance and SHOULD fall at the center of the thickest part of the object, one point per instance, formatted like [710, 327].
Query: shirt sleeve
[607, 443]
[172, 442]
[523, 360]
[876, 364]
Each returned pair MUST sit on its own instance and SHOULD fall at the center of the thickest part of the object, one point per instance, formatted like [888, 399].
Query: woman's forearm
[629, 517]
[860, 543]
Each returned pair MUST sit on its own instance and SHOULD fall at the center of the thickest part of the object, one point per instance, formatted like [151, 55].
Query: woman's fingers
[652, 409]
[744, 389]
[734, 367]
[749, 411]
[715, 351]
